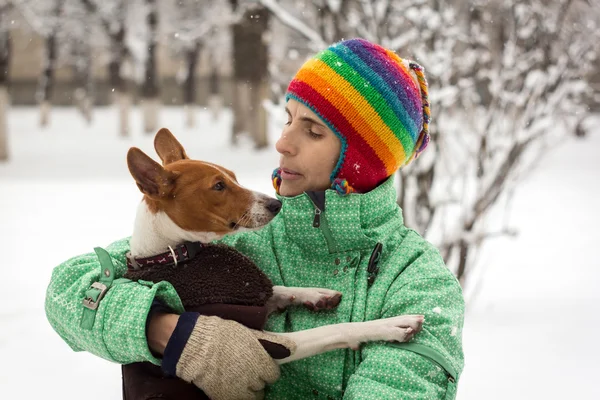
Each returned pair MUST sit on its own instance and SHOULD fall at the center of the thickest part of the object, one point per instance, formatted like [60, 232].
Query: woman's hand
[160, 329]
[222, 357]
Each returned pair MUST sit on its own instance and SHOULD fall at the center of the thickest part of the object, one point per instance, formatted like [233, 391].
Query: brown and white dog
[194, 201]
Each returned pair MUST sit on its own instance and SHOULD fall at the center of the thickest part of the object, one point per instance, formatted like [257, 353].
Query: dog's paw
[399, 329]
[317, 299]
[325, 303]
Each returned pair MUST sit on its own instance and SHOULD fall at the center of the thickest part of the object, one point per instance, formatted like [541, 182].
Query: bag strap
[432, 355]
[98, 289]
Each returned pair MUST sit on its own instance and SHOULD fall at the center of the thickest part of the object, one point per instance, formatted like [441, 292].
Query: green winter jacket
[305, 247]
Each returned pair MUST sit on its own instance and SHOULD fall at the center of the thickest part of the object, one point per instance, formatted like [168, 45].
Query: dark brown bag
[146, 381]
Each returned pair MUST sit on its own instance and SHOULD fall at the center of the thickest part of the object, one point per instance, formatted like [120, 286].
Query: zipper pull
[373, 267]
[318, 201]
[317, 220]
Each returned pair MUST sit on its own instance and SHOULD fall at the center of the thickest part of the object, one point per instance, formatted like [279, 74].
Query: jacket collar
[326, 222]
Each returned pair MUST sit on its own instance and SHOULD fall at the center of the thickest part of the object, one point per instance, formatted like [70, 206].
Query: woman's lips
[289, 175]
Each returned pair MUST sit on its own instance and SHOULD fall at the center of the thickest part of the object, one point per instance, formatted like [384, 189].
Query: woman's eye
[289, 122]
[219, 186]
[314, 134]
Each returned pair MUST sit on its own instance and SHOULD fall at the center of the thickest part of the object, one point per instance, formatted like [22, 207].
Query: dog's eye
[219, 186]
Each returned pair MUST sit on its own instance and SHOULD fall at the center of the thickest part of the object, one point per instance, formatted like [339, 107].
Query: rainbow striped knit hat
[367, 96]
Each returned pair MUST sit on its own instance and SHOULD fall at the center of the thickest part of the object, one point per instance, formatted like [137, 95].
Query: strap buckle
[89, 302]
[192, 249]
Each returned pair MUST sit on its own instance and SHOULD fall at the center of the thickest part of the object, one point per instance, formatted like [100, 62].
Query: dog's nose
[273, 205]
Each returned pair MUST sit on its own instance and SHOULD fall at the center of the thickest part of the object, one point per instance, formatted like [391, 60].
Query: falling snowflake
[453, 331]
[437, 310]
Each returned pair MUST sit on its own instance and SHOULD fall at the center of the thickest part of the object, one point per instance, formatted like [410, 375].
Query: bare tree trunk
[122, 95]
[3, 123]
[46, 85]
[88, 101]
[239, 107]
[462, 262]
[258, 114]
[151, 108]
[215, 99]
[190, 115]
[249, 44]
[150, 91]
[250, 115]
[5, 54]
[83, 79]
[81, 63]
[118, 55]
[189, 85]
[580, 130]
[123, 100]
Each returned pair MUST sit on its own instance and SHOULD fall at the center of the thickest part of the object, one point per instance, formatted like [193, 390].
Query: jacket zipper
[320, 221]
[328, 236]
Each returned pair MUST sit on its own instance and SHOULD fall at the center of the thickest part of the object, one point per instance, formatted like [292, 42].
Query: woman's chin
[290, 188]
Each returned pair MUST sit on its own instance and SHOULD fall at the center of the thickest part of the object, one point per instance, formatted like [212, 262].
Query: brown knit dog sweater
[219, 281]
[217, 274]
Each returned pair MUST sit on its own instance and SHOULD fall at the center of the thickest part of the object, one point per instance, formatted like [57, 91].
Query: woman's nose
[285, 145]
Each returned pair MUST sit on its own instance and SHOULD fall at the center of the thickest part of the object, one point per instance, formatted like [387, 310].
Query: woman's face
[309, 151]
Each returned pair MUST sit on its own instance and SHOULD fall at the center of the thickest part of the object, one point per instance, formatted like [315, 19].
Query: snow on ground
[533, 331]
[530, 334]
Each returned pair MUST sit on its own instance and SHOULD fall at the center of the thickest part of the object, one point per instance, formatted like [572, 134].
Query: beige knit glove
[223, 358]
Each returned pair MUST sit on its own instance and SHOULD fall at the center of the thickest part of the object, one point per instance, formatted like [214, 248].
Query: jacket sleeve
[119, 330]
[395, 371]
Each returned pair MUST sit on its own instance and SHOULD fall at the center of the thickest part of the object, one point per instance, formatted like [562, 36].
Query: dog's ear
[152, 179]
[168, 148]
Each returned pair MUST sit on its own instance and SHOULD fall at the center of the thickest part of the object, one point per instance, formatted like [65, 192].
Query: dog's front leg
[313, 298]
[319, 340]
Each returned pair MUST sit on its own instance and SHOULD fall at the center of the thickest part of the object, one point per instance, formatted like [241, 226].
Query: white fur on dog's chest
[153, 233]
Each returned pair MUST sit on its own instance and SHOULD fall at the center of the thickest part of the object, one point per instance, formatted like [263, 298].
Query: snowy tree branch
[294, 23]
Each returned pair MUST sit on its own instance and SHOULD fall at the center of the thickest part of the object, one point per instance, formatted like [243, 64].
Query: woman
[356, 113]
